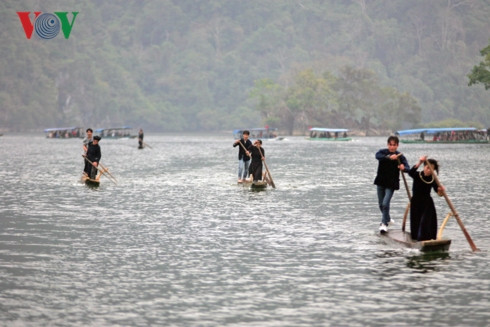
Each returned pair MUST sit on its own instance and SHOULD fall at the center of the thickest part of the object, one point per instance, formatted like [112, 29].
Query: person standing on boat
[258, 155]
[93, 155]
[88, 138]
[423, 216]
[387, 180]
[243, 155]
[141, 135]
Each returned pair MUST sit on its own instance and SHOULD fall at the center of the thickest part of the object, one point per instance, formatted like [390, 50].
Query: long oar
[455, 213]
[267, 169]
[101, 170]
[244, 149]
[107, 171]
[408, 194]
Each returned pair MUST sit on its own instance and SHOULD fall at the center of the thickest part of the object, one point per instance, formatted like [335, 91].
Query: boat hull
[258, 186]
[91, 182]
[404, 238]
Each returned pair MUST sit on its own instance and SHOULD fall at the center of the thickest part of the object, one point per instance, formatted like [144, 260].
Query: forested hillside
[175, 65]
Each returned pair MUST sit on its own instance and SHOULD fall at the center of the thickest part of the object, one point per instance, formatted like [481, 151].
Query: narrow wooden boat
[258, 185]
[328, 134]
[116, 132]
[90, 182]
[404, 238]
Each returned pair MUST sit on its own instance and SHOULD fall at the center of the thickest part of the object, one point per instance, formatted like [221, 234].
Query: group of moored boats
[444, 135]
[79, 132]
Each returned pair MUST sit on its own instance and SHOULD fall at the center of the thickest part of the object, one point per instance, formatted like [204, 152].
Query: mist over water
[178, 243]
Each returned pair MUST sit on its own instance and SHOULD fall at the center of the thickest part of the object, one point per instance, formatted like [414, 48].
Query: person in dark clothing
[141, 135]
[423, 216]
[258, 155]
[93, 154]
[243, 156]
[387, 180]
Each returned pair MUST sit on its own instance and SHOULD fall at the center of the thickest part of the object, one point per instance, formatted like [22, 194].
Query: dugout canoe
[404, 238]
[90, 182]
[258, 185]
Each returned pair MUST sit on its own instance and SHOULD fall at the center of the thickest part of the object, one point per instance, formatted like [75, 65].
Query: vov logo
[47, 25]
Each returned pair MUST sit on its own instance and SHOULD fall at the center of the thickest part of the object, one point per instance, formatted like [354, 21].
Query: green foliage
[481, 73]
[175, 65]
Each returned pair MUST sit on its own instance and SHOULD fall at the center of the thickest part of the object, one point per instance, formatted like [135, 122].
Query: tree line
[177, 65]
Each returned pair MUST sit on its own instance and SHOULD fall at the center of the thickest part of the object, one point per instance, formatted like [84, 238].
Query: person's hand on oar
[244, 149]
[397, 157]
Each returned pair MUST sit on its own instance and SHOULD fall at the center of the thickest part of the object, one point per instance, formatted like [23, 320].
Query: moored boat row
[444, 135]
[79, 132]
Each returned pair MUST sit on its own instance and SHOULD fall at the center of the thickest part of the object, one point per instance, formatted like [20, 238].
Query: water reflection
[427, 262]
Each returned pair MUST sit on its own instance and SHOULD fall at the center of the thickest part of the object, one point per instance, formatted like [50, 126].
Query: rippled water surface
[178, 243]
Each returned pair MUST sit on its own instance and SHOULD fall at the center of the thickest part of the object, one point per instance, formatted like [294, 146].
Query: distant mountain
[176, 65]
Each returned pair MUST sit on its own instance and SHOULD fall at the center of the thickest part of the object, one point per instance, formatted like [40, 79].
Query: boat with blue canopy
[257, 133]
[116, 132]
[64, 132]
[328, 134]
[443, 135]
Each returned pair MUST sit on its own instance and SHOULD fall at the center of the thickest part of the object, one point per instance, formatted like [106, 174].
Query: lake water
[178, 243]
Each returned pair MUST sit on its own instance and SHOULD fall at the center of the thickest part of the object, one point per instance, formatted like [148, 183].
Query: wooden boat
[64, 132]
[328, 134]
[91, 182]
[453, 135]
[257, 133]
[258, 185]
[404, 238]
[116, 132]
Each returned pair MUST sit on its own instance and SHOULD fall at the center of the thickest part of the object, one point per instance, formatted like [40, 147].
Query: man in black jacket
[390, 162]
[243, 156]
[93, 155]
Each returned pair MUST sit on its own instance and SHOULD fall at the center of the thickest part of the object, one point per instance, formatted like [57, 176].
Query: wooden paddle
[244, 149]
[404, 222]
[101, 170]
[450, 204]
[107, 171]
[146, 144]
